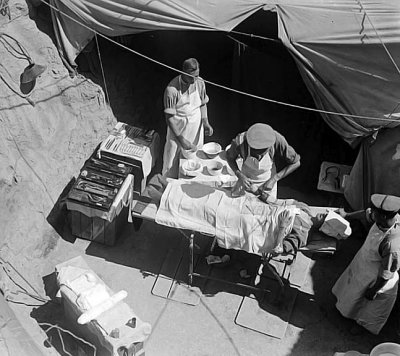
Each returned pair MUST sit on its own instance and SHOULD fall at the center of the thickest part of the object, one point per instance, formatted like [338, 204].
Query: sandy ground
[208, 328]
[44, 140]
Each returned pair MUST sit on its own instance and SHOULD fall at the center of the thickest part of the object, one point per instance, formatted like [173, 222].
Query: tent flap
[376, 170]
[333, 45]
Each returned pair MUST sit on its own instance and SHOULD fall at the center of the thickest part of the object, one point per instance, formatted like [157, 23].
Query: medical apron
[188, 121]
[360, 275]
[260, 171]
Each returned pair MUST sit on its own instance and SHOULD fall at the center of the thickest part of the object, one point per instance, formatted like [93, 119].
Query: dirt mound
[44, 137]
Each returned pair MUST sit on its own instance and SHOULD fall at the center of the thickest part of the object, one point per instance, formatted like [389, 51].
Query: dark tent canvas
[346, 51]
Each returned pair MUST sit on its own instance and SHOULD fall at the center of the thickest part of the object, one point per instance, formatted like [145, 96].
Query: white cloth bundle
[336, 226]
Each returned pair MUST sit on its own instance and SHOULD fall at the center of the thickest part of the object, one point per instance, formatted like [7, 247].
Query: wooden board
[166, 276]
[332, 177]
[265, 317]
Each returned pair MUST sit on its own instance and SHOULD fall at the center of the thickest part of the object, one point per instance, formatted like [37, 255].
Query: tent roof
[343, 21]
[346, 50]
[123, 17]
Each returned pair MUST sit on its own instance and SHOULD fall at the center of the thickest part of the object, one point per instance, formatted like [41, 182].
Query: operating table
[145, 208]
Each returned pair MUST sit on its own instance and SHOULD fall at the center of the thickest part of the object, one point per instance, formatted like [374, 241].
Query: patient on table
[257, 225]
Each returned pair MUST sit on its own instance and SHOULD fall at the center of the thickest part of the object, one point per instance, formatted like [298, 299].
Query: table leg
[265, 262]
[214, 242]
[191, 261]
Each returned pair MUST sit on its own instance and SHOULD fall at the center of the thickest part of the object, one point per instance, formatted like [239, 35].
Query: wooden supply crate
[97, 229]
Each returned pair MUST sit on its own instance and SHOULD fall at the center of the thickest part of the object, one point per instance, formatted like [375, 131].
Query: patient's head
[318, 220]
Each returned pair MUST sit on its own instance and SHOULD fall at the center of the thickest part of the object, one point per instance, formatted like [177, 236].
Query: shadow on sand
[319, 327]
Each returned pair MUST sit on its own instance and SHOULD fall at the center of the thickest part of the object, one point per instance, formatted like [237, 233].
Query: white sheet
[243, 223]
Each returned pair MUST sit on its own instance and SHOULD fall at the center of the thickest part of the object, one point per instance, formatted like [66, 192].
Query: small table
[133, 146]
[333, 176]
[227, 178]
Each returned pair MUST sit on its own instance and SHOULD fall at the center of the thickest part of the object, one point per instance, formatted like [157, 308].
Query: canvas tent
[347, 52]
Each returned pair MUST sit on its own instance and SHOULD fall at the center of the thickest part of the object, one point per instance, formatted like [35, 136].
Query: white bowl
[386, 349]
[189, 154]
[192, 168]
[212, 149]
[214, 168]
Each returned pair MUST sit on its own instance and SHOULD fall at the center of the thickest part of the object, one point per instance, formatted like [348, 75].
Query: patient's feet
[218, 261]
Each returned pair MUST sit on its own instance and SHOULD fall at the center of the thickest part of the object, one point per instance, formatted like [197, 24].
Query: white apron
[260, 171]
[361, 274]
[188, 120]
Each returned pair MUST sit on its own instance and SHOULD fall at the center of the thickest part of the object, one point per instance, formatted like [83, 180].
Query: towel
[336, 226]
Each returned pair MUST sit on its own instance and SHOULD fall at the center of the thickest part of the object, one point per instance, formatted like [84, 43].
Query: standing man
[366, 291]
[185, 109]
[259, 147]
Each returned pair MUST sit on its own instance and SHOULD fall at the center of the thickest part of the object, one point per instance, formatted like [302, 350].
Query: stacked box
[91, 201]
[97, 229]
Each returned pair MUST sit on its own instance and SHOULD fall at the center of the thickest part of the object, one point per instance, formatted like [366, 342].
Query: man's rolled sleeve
[236, 148]
[202, 91]
[170, 100]
[204, 100]
[390, 259]
[286, 151]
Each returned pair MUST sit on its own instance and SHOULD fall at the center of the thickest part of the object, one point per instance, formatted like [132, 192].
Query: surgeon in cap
[258, 148]
[367, 289]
